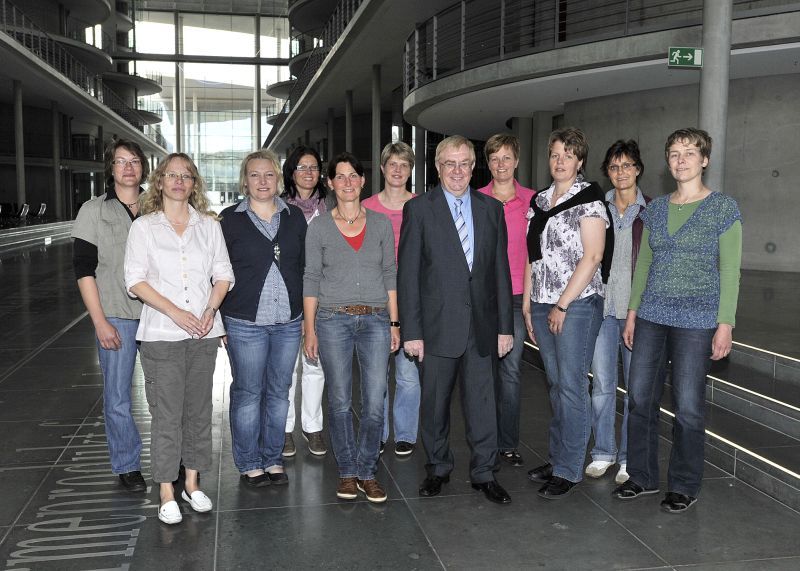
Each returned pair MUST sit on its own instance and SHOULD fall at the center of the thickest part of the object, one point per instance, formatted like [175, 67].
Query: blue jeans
[567, 358]
[507, 386]
[124, 442]
[338, 335]
[605, 371]
[690, 353]
[262, 360]
[405, 413]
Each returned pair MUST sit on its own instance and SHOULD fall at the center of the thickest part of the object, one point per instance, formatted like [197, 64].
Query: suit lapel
[444, 220]
[479, 226]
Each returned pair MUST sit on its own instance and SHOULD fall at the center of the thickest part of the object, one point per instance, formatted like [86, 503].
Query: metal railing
[15, 24]
[333, 29]
[471, 33]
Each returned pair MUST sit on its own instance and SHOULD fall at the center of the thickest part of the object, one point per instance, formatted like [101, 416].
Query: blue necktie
[463, 233]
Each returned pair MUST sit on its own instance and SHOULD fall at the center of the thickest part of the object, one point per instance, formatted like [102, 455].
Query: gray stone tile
[568, 534]
[772, 564]
[353, 535]
[17, 487]
[47, 404]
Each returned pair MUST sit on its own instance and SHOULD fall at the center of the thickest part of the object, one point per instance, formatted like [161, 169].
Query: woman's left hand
[395, 334]
[555, 320]
[722, 342]
[206, 321]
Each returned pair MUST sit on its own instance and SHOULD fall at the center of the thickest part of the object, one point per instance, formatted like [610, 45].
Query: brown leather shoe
[347, 489]
[373, 490]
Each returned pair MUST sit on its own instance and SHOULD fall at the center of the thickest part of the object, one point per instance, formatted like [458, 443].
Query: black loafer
[256, 481]
[432, 485]
[493, 491]
[513, 457]
[630, 490]
[403, 448]
[133, 481]
[542, 474]
[557, 488]
[675, 503]
[278, 478]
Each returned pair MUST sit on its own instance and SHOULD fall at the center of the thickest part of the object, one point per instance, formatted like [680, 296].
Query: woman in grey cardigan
[350, 302]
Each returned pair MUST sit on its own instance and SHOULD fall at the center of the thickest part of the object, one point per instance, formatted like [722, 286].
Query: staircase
[752, 418]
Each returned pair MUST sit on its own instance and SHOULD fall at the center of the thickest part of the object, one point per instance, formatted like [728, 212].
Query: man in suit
[454, 291]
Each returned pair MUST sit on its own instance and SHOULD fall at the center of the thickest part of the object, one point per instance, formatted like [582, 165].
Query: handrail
[335, 26]
[15, 24]
[470, 33]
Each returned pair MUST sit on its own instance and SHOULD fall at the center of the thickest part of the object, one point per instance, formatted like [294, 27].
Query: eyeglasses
[306, 168]
[183, 177]
[352, 177]
[452, 165]
[622, 167]
[125, 162]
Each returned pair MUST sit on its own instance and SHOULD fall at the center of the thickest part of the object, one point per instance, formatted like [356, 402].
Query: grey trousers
[178, 377]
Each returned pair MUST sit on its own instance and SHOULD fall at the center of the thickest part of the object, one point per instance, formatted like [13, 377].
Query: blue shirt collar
[281, 205]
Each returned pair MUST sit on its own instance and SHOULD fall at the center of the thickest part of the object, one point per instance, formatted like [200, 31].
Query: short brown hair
[267, 156]
[399, 149]
[111, 149]
[701, 139]
[574, 140]
[497, 142]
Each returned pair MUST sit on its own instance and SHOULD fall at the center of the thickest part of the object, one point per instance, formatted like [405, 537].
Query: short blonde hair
[399, 149]
[267, 156]
[152, 201]
[454, 142]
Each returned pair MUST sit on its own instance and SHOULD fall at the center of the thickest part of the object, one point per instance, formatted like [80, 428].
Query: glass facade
[214, 112]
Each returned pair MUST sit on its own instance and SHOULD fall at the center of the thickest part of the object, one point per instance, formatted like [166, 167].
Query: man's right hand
[415, 348]
[108, 336]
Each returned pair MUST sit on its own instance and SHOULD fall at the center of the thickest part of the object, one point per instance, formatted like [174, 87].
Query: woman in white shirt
[175, 252]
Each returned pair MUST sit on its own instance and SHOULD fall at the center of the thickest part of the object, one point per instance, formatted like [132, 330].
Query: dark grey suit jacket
[437, 294]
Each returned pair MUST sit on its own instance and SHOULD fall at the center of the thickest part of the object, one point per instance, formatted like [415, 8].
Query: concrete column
[176, 97]
[541, 127]
[257, 101]
[348, 120]
[58, 202]
[331, 133]
[714, 77]
[375, 140]
[419, 160]
[522, 127]
[19, 142]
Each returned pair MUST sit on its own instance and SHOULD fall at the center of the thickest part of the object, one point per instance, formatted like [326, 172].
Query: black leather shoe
[557, 488]
[432, 485]
[256, 481]
[542, 474]
[630, 490]
[278, 478]
[493, 491]
[675, 503]
[133, 481]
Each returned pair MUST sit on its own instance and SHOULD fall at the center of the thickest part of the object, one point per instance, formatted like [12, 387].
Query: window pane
[218, 35]
[274, 37]
[155, 32]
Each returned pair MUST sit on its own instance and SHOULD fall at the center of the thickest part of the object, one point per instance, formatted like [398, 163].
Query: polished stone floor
[62, 509]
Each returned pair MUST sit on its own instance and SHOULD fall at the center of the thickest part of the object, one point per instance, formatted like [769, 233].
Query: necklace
[682, 204]
[346, 219]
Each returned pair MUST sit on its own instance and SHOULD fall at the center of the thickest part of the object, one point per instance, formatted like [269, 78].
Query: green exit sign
[685, 57]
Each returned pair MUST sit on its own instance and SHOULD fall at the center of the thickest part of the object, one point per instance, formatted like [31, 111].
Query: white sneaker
[597, 468]
[198, 500]
[170, 513]
[622, 475]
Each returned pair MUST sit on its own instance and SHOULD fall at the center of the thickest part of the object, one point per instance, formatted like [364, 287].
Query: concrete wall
[762, 158]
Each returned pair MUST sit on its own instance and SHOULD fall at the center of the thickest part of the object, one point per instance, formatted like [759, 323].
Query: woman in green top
[683, 302]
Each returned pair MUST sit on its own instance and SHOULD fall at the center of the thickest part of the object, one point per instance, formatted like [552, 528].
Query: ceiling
[264, 7]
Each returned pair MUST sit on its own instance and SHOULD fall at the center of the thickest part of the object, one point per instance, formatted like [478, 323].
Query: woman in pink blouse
[175, 252]
[502, 154]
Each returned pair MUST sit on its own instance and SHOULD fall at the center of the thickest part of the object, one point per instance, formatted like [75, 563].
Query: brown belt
[358, 309]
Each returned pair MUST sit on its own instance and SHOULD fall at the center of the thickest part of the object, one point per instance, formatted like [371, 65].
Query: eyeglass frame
[623, 167]
[120, 162]
[183, 177]
[450, 166]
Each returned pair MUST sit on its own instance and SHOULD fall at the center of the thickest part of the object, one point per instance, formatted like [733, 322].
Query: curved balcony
[96, 60]
[123, 17]
[298, 62]
[536, 55]
[310, 16]
[142, 85]
[281, 89]
[94, 11]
